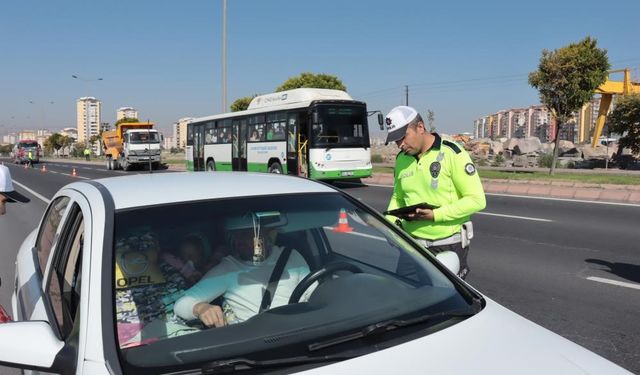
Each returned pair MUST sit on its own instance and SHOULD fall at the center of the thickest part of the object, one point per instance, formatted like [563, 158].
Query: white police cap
[397, 120]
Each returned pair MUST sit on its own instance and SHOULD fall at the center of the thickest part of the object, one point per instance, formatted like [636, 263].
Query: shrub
[545, 161]
[376, 158]
[498, 161]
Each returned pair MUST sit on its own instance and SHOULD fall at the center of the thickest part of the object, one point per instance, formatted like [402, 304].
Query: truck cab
[20, 153]
[130, 144]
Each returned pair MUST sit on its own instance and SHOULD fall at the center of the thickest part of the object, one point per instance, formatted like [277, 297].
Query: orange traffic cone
[74, 173]
[44, 168]
[343, 224]
[26, 165]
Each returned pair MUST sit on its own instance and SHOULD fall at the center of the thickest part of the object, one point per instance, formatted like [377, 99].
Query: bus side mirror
[380, 121]
[315, 117]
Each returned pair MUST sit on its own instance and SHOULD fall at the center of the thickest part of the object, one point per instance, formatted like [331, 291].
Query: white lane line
[614, 282]
[70, 175]
[565, 200]
[515, 217]
[524, 196]
[45, 200]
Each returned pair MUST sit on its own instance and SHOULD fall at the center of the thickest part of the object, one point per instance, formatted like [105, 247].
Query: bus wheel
[109, 164]
[275, 168]
[211, 166]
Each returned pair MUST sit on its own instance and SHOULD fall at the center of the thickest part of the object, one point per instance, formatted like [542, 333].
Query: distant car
[102, 283]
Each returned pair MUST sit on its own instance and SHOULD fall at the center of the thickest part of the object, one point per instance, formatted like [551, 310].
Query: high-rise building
[89, 111]
[126, 112]
[180, 131]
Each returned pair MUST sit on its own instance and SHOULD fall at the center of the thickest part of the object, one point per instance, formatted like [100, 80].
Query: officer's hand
[421, 214]
[210, 315]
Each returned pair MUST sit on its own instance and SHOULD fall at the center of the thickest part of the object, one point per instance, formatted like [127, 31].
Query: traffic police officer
[437, 172]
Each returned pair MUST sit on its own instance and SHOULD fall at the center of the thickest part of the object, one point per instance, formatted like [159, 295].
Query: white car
[122, 272]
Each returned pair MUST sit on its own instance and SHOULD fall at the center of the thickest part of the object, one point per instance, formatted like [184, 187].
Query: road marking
[45, 200]
[614, 282]
[70, 175]
[515, 217]
[565, 200]
[522, 196]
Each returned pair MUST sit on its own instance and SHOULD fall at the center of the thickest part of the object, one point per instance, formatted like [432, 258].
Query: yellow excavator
[608, 89]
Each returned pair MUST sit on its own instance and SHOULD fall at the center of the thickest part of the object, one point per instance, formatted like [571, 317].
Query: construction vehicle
[131, 144]
[608, 89]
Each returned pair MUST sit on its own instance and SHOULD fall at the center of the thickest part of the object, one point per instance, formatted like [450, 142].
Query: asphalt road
[571, 267]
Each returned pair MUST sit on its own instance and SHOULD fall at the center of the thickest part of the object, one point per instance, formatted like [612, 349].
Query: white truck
[130, 144]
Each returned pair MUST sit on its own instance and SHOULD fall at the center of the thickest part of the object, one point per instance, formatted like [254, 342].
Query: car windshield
[144, 137]
[282, 271]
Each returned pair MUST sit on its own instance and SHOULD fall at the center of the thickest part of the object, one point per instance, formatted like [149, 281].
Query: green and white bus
[316, 133]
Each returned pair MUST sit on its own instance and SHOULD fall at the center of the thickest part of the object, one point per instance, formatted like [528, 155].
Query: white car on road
[111, 280]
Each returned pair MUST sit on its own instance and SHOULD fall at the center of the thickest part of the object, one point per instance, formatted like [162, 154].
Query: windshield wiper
[392, 324]
[238, 364]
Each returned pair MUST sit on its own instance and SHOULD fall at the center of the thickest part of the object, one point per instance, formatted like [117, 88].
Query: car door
[63, 298]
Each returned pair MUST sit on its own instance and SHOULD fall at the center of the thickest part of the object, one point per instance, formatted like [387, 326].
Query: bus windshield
[340, 126]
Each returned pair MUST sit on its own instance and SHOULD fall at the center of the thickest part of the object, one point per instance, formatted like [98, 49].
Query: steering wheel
[311, 278]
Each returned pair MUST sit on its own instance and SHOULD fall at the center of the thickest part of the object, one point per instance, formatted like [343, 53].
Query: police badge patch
[470, 169]
[434, 169]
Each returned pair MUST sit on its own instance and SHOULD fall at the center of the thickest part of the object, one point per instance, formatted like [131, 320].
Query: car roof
[162, 188]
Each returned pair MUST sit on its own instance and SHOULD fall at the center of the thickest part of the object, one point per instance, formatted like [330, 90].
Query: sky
[460, 59]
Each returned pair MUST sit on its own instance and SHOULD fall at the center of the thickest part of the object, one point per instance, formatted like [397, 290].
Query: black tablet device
[404, 211]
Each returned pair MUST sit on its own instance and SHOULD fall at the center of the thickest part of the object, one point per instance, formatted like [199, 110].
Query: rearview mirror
[315, 117]
[32, 345]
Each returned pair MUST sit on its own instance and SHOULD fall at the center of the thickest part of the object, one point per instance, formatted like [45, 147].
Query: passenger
[241, 279]
[193, 258]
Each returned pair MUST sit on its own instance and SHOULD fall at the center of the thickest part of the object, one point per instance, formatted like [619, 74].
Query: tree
[625, 120]
[125, 119]
[567, 78]
[53, 143]
[431, 118]
[311, 80]
[242, 104]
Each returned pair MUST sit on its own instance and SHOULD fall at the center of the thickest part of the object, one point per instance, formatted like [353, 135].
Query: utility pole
[406, 95]
[224, 56]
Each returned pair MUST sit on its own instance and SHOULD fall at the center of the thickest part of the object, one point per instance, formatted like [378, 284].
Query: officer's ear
[420, 129]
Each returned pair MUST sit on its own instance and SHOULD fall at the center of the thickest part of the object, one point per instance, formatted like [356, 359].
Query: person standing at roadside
[87, 154]
[7, 193]
[30, 158]
[437, 172]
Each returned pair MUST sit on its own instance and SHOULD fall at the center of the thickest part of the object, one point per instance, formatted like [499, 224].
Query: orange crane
[608, 89]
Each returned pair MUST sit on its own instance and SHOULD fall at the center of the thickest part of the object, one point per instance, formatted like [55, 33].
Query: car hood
[494, 341]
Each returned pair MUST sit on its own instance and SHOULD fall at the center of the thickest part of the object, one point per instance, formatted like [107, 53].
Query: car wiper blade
[237, 364]
[390, 325]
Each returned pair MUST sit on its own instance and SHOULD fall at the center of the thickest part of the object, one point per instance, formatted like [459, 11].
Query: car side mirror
[17, 347]
[450, 260]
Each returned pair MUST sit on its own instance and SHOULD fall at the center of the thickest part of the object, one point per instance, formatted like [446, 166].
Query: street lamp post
[224, 56]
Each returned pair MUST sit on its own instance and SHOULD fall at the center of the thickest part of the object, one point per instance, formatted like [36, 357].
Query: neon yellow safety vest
[445, 177]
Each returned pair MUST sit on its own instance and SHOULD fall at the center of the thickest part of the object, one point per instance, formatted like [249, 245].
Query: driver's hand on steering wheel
[210, 315]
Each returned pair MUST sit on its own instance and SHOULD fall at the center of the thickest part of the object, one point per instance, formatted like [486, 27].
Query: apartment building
[88, 111]
[126, 112]
[180, 132]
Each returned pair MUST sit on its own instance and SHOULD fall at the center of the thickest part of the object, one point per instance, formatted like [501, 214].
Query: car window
[65, 281]
[47, 236]
[172, 260]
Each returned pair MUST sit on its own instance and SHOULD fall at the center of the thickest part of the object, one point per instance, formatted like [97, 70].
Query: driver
[242, 277]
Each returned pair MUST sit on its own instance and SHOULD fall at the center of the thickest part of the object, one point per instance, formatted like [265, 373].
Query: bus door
[198, 147]
[239, 145]
[292, 143]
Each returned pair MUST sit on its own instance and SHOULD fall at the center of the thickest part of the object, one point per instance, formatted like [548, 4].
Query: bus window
[210, 133]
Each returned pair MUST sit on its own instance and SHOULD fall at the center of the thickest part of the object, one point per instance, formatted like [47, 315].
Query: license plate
[347, 173]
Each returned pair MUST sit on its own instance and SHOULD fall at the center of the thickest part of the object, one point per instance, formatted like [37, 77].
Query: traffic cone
[343, 223]
[26, 165]
[74, 173]
[44, 168]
